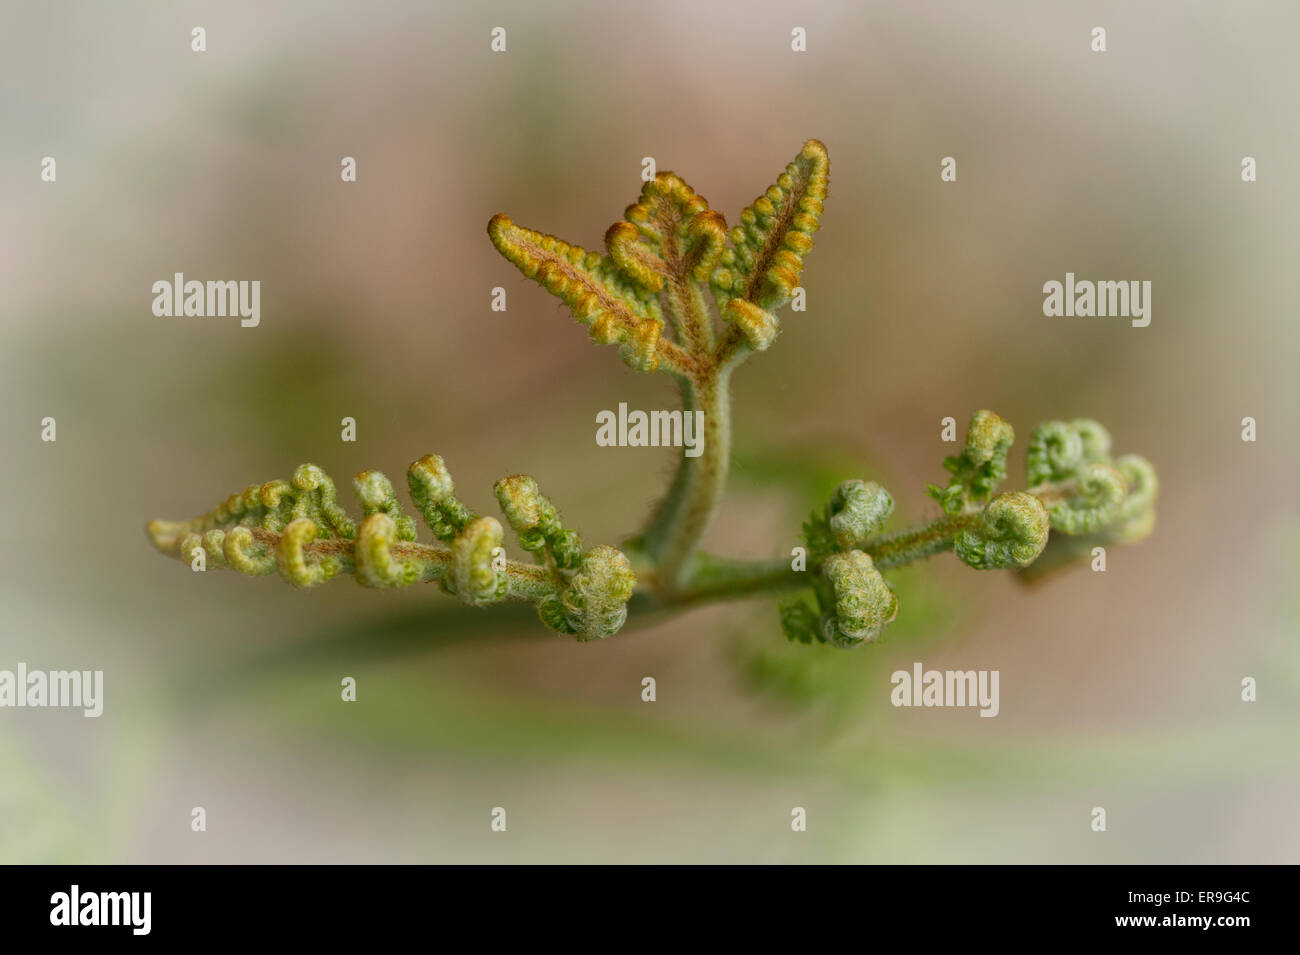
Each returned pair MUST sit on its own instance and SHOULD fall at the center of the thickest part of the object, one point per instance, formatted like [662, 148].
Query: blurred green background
[924, 300]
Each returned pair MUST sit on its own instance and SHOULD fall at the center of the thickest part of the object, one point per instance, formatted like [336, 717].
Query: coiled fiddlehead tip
[434, 494]
[164, 535]
[316, 497]
[1069, 465]
[1094, 438]
[189, 544]
[706, 234]
[981, 466]
[430, 476]
[377, 496]
[1055, 452]
[1140, 477]
[1100, 491]
[639, 349]
[666, 189]
[594, 604]
[987, 436]
[521, 501]
[642, 265]
[292, 560]
[858, 509]
[478, 577]
[376, 564]
[1011, 532]
[277, 500]
[214, 542]
[268, 507]
[1137, 515]
[535, 519]
[375, 491]
[431, 486]
[245, 555]
[814, 151]
[758, 325]
[864, 602]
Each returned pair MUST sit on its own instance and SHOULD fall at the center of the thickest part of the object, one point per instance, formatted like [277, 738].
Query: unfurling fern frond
[680, 292]
[298, 529]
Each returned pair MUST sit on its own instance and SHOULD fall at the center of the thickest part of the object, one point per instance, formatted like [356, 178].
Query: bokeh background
[1118, 690]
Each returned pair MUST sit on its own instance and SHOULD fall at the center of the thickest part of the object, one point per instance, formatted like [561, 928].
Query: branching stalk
[650, 293]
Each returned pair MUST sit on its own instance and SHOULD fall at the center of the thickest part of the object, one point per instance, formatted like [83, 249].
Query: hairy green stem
[916, 543]
[717, 578]
[684, 516]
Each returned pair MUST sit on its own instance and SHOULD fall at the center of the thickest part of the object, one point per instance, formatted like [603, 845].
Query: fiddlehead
[1098, 491]
[853, 602]
[858, 509]
[1076, 489]
[378, 497]
[1069, 466]
[1055, 453]
[434, 494]
[669, 242]
[293, 561]
[755, 324]
[981, 466]
[1132, 521]
[536, 521]
[863, 602]
[593, 605]
[1137, 514]
[760, 270]
[247, 555]
[616, 310]
[478, 574]
[1011, 532]
[776, 232]
[298, 528]
[376, 563]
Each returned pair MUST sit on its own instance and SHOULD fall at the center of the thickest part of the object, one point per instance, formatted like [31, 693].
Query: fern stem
[719, 578]
[684, 515]
[917, 543]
